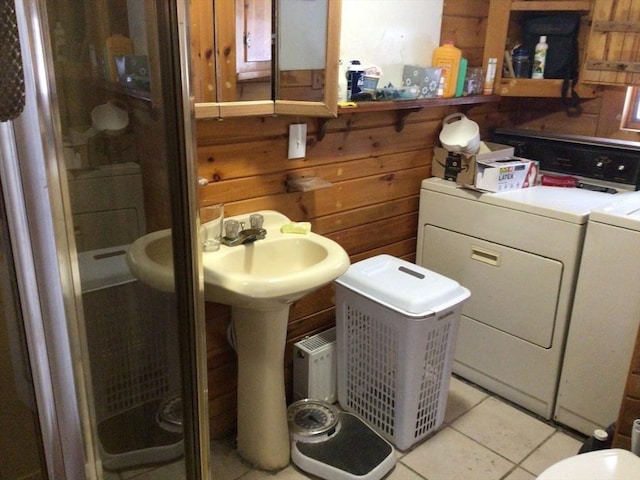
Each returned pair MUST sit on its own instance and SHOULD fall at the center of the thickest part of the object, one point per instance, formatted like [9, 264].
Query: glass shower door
[128, 390]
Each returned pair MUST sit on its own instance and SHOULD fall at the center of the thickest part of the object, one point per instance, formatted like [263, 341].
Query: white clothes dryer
[518, 253]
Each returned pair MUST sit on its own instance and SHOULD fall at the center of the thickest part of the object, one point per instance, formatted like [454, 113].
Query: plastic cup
[211, 220]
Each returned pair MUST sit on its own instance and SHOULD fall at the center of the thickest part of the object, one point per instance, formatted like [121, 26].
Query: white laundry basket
[396, 328]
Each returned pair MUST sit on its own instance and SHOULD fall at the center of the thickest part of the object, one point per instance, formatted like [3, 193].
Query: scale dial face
[312, 419]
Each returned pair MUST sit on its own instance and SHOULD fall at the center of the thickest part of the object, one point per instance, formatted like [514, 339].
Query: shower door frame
[41, 234]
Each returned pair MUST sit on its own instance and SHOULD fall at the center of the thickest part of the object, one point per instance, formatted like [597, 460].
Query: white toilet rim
[609, 464]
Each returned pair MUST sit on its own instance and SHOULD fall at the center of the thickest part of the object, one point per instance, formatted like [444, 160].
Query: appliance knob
[602, 162]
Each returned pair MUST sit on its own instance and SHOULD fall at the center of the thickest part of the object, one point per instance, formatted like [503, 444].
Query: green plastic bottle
[462, 74]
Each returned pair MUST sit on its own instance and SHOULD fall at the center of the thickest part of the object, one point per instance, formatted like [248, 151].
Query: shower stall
[109, 374]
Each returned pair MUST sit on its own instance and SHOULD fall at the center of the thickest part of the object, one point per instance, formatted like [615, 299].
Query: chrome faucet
[236, 234]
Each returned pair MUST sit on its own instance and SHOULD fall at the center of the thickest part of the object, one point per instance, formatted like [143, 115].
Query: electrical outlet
[297, 140]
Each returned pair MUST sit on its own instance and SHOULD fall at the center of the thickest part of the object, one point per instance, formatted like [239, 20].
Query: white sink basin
[279, 269]
[259, 280]
[150, 259]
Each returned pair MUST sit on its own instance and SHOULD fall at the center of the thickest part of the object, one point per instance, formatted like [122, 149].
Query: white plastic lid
[103, 268]
[543, 39]
[600, 434]
[403, 286]
[108, 170]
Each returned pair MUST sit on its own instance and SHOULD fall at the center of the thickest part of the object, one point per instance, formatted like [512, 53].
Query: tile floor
[483, 438]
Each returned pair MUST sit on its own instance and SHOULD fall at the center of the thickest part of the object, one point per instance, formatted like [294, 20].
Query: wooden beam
[551, 6]
[618, 67]
[614, 26]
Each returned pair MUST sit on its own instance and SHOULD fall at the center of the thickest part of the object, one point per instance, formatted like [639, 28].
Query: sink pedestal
[263, 433]
[282, 267]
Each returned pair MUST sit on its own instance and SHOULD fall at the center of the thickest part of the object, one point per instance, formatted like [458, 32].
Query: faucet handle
[256, 220]
[231, 228]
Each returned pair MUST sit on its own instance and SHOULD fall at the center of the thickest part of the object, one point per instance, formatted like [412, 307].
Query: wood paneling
[612, 57]
[598, 117]
[630, 408]
[372, 207]
[203, 51]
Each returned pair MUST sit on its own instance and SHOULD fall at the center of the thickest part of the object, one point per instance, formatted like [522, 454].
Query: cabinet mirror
[239, 71]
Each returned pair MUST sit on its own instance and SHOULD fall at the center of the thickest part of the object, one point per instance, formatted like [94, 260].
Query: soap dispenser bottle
[540, 58]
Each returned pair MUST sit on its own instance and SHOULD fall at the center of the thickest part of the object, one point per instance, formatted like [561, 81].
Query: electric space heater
[314, 367]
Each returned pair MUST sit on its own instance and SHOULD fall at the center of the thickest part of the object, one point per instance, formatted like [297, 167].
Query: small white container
[109, 118]
[459, 134]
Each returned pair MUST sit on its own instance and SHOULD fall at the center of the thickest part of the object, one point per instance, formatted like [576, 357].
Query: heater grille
[314, 367]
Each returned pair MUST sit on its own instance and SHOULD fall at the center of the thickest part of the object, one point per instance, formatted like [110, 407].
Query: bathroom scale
[336, 445]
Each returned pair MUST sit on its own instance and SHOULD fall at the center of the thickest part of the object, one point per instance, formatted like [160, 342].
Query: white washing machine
[518, 253]
[107, 203]
[604, 320]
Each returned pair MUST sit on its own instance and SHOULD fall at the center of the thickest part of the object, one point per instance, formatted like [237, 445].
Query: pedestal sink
[259, 280]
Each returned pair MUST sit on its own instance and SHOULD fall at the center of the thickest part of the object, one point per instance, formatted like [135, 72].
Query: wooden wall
[630, 408]
[600, 116]
[372, 207]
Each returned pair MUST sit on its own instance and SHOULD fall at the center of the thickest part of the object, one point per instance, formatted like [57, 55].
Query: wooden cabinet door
[253, 38]
[613, 55]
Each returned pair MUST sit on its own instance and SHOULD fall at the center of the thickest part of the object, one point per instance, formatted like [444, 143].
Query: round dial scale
[312, 420]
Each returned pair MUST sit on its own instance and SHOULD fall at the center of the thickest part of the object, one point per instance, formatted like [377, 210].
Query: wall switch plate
[297, 140]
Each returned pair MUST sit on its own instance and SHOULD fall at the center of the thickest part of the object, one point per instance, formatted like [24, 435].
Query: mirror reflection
[302, 38]
[253, 52]
[231, 50]
[237, 68]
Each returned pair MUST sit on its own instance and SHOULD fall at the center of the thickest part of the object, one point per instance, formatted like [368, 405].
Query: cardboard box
[427, 79]
[505, 175]
[461, 168]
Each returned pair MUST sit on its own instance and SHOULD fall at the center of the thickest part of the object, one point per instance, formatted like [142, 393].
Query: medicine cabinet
[239, 68]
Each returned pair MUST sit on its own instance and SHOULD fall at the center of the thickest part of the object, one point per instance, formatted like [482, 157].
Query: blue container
[521, 61]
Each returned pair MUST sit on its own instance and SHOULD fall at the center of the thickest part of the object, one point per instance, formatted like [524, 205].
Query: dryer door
[511, 290]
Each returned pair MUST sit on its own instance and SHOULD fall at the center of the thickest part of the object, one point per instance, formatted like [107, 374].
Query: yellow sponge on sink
[296, 227]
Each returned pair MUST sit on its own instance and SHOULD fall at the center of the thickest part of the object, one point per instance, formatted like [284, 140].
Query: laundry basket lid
[403, 286]
[105, 267]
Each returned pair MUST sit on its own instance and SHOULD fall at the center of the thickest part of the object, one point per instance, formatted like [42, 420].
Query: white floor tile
[400, 472]
[289, 473]
[520, 474]
[145, 473]
[558, 447]
[462, 397]
[503, 429]
[450, 455]
[225, 462]
[171, 471]
[483, 438]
